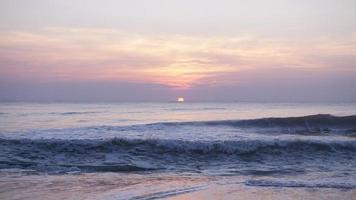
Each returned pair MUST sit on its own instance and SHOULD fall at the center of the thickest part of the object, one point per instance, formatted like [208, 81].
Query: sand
[95, 186]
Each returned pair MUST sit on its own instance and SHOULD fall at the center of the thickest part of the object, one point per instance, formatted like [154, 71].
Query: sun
[180, 99]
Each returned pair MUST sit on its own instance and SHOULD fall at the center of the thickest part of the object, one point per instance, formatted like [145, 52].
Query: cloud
[84, 91]
[177, 61]
[278, 85]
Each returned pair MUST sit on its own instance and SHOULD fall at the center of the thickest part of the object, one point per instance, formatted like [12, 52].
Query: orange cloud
[179, 61]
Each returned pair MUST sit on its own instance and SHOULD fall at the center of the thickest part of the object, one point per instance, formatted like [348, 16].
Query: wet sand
[95, 186]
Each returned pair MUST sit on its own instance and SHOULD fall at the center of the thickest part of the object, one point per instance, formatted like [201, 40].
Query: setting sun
[180, 99]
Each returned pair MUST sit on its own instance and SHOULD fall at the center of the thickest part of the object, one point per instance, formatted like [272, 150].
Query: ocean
[178, 150]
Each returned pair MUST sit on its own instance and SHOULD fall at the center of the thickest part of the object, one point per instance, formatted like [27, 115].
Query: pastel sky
[158, 50]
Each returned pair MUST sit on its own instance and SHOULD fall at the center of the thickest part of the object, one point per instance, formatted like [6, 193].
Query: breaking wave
[182, 146]
[311, 124]
[320, 120]
[120, 154]
[132, 150]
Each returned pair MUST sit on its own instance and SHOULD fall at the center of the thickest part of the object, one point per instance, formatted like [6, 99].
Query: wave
[60, 168]
[245, 146]
[319, 120]
[127, 149]
[321, 124]
[72, 113]
[307, 184]
[121, 154]
[311, 124]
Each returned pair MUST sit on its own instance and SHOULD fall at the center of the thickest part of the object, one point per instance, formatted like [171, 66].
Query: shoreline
[94, 186]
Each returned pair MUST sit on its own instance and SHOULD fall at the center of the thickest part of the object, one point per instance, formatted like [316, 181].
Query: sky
[159, 50]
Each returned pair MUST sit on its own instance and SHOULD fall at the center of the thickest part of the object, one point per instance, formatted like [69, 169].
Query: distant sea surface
[252, 145]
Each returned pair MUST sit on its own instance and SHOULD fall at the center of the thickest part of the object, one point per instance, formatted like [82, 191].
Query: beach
[152, 186]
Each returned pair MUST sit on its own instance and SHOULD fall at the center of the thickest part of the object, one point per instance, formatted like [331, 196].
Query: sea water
[188, 146]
